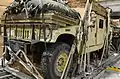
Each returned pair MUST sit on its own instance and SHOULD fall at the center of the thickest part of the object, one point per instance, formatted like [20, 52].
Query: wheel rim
[61, 62]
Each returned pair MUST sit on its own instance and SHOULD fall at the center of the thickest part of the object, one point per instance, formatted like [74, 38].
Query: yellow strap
[113, 68]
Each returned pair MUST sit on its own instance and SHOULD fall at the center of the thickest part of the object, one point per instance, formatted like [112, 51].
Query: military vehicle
[47, 39]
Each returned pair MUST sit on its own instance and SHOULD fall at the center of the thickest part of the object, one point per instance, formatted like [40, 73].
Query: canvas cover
[38, 6]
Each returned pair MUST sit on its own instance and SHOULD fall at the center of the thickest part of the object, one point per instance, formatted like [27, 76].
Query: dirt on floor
[1, 45]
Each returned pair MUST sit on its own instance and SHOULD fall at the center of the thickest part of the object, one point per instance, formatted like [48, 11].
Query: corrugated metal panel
[115, 6]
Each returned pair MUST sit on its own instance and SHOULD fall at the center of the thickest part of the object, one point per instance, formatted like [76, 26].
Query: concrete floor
[109, 74]
[106, 74]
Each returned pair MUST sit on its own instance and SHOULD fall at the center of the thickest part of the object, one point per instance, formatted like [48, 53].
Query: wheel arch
[66, 38]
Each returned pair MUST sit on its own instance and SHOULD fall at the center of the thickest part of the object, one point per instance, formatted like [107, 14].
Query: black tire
[49, 60]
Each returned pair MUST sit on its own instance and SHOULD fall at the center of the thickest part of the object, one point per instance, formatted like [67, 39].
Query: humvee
[49, 39]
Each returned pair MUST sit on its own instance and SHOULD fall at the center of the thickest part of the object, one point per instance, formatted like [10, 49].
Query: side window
[27, 34]
[101, 23]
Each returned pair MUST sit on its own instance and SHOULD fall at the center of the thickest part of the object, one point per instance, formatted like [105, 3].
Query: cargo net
[36, 8]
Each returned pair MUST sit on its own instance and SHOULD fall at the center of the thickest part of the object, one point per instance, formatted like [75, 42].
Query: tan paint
[96, 35]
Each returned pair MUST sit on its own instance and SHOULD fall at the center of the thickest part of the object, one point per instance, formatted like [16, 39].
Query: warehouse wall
[3, 5]
[76, 3]
[114, 5]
